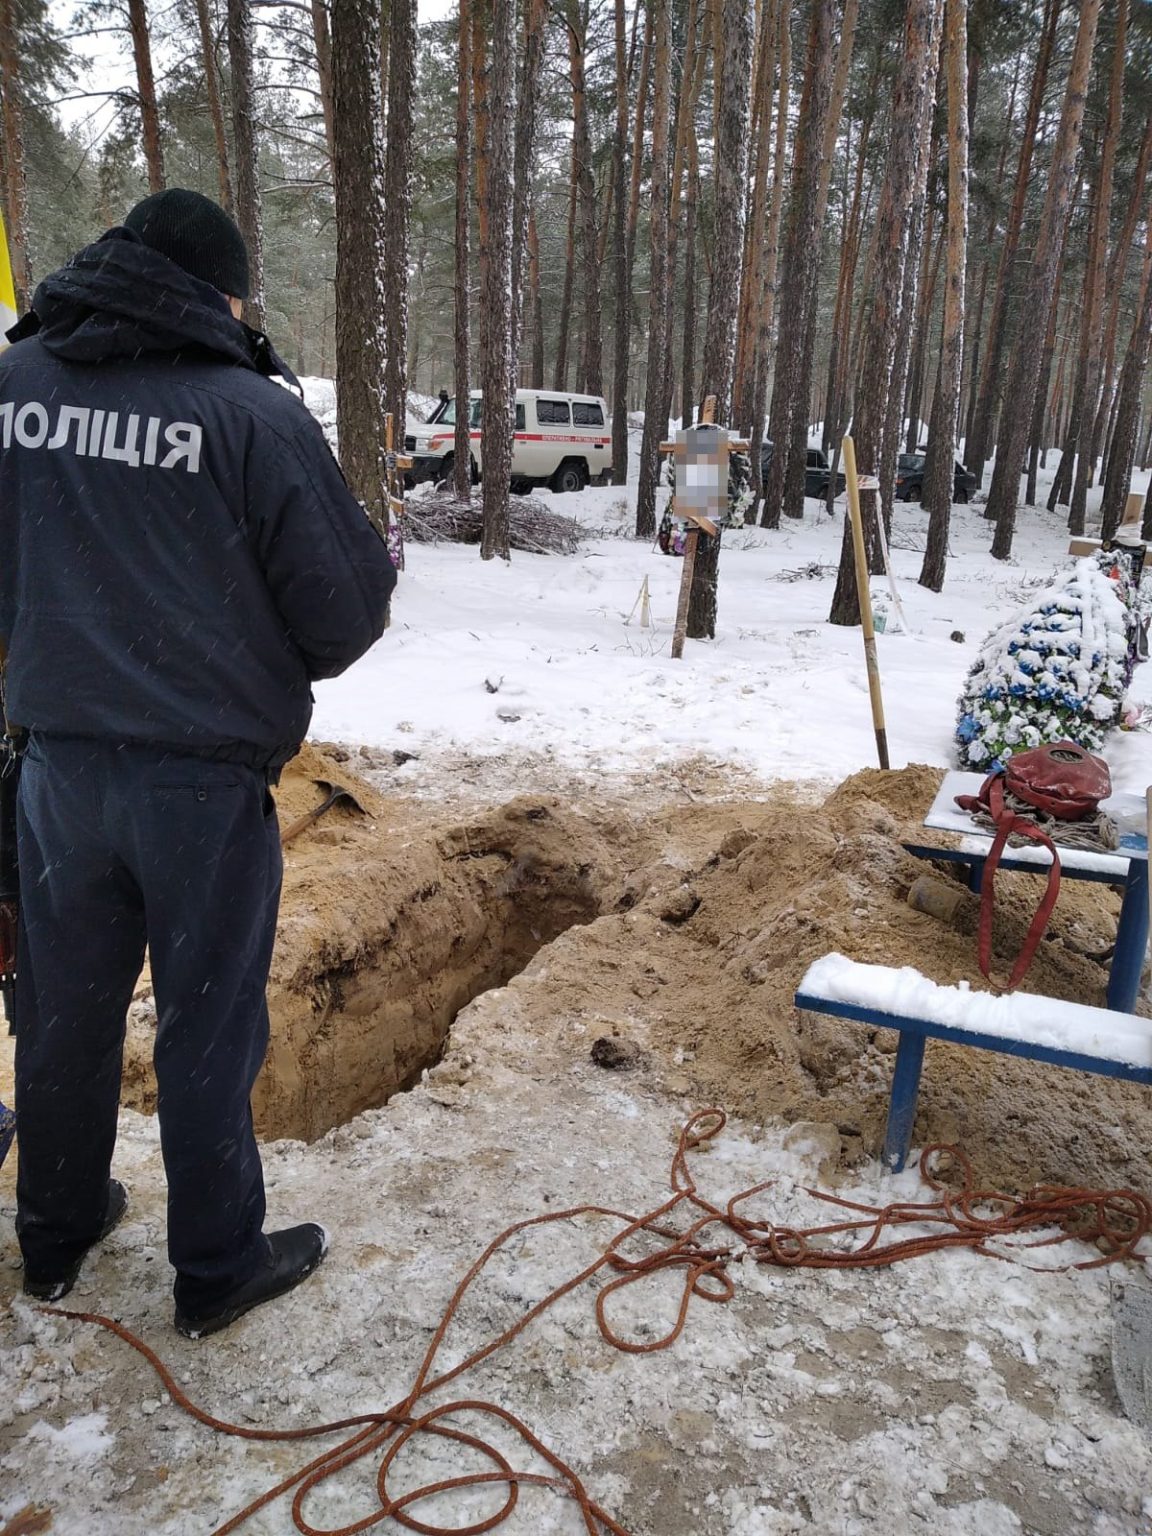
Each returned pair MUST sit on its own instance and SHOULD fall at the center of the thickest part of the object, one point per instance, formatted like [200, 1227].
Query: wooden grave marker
[701, 455]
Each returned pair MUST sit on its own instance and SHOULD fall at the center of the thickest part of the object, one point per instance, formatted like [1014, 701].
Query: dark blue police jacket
[180, 556]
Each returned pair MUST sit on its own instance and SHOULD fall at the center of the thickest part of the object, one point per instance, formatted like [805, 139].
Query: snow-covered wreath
[1057, 671]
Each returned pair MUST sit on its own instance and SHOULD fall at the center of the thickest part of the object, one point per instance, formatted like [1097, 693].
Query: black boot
[55, 1287]
[292, 1256]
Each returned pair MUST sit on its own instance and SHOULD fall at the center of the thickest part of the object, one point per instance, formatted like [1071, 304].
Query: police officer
[181, 559]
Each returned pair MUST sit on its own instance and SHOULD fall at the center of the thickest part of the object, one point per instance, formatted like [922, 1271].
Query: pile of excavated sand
[683, 931]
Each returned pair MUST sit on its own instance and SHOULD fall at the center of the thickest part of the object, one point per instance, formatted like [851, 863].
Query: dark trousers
[122, 846]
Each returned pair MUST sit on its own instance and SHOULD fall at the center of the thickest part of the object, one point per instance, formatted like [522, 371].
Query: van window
[448, 417]
[520, 417]
[585, 415]
[552, 412]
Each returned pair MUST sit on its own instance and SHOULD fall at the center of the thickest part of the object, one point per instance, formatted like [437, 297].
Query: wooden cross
[701, 487]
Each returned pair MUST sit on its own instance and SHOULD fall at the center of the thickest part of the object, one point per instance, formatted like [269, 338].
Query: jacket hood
[119, 298]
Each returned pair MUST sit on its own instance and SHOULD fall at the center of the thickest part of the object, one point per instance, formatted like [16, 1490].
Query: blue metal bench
[1098, 1040]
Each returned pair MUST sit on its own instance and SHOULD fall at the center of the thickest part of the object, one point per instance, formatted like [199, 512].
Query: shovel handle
[302, 823]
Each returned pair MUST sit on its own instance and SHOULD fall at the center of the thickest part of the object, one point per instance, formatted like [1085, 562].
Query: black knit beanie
[197, 235]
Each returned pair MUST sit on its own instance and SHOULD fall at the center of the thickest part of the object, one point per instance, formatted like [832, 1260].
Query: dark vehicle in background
[910, 478]
[817, 470]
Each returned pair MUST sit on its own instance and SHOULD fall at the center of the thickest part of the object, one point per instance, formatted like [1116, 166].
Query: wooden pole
[864, 597]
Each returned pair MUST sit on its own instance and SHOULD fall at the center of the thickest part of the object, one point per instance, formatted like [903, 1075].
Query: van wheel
[446, 470]
[569, 477]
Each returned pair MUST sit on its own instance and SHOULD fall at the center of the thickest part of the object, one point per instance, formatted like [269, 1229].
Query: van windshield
[448, 419]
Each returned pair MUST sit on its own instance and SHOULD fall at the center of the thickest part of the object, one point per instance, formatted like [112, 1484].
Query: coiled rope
[704, 1251]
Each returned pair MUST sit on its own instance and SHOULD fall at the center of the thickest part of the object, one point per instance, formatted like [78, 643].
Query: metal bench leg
[1131, 940]
[976, 875]
[902, 1103]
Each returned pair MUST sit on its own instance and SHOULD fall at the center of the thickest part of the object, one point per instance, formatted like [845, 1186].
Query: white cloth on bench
[1039, 1021]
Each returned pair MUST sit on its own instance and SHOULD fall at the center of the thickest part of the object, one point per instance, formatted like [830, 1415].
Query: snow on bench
[1066, 1034]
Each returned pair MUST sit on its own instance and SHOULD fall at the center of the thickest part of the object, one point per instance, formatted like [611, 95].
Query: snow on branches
[1055, 672]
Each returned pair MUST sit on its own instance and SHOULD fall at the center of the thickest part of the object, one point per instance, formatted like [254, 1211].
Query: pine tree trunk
[1124, 433]
[15, 184]
[1024, 365]
[684, 149]
[938, 471]
[752, 273]
[497, 322]
[767, 313]
[527, 106]
[481, 10]
[893, 420]
[654, 427]
[358, 172]
[977, 448]
[730, 176]
[248, 211]
[146, 90]
[462, 442]
[794, 487]
[788, 419]
[1115, 285]
[593, 365]
[638, 143]
[1094, 321]
[322, 34]
[215, 106]
[976, 328]
[560, 372]
[623, 304]
[878, 356]
[688, 318]
[398, 201]
[537, 302]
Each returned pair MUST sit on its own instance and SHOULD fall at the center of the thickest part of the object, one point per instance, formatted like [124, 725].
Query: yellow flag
[7, 290]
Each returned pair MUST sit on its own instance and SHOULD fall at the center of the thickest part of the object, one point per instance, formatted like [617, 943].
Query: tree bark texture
[398, 201]
[592, 366]
[15, 185]
[730, 176]
[766, 317]
[1123, 452]
[938, 471]
[527, 110]
[322, 34]
[799, 261]
[1024, 365]
[560, 370]
[977, 447]
[623, 299]
[654, 427]
[462, 442]
[1094, 321]
[146, 89]
[215, 105]
[497, 322]
[878, 357]
[358, 172]
[248, 211]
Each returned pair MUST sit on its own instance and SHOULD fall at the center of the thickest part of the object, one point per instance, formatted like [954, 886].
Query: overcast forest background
[929, 218]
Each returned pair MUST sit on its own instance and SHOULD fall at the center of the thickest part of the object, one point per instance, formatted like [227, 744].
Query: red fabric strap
[1008, 822]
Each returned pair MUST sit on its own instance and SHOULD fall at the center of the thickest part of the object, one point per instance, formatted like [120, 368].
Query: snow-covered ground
[953, 1395]
[779, 694]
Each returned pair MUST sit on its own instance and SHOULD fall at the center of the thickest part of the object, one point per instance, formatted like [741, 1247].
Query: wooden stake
[864, 597]
[679, 633]
[645, 607]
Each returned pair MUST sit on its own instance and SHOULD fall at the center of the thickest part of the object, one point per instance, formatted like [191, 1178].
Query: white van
[562, 441]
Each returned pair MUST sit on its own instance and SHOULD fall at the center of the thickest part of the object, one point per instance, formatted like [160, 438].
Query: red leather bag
[1061, 780]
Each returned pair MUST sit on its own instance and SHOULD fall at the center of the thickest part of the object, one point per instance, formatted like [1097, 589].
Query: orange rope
[1114, 1219]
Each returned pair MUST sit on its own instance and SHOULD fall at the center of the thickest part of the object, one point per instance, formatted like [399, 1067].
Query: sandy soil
[954, 1395]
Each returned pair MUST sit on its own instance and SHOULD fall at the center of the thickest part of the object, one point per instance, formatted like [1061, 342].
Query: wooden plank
[681, 630]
